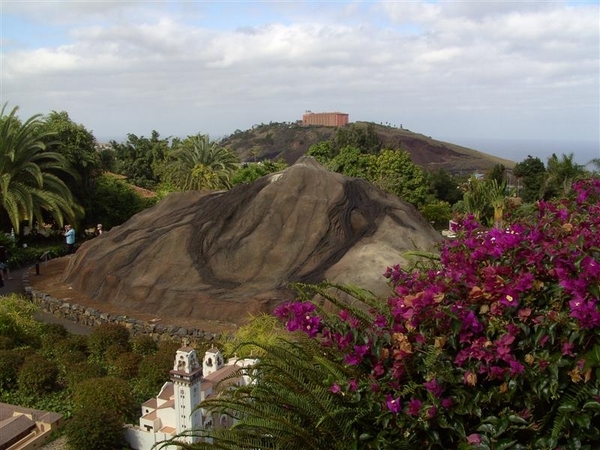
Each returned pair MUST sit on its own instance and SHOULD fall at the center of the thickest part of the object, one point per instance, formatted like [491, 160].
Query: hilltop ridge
[290, 141]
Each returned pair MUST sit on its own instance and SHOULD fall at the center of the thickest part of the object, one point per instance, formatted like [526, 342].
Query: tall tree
[532, 173]
[497, 173]
[78, 146]
[396, 173]
[142, 159]
[198, 163]
[363, 137]
[444, 186]
[30, 188]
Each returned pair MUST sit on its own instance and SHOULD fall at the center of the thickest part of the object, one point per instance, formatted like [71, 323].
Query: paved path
[15, 285]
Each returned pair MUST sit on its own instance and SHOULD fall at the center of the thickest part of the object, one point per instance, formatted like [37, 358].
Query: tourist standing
[70, 238]
[98, 230]
[4, 263]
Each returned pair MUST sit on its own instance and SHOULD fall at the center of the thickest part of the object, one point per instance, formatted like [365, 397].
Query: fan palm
[29, 181]
[197, 163]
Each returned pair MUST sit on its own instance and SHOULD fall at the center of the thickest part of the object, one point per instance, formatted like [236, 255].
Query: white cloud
[185, 67]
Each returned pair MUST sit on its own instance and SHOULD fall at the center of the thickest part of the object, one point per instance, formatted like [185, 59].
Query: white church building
[173, 411]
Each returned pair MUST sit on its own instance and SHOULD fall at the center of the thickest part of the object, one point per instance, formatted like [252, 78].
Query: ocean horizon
[517, 150]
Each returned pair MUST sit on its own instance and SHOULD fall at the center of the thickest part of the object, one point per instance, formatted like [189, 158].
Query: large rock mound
[222, 255]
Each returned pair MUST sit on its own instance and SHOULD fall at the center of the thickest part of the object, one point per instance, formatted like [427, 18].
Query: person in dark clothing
[5, 271]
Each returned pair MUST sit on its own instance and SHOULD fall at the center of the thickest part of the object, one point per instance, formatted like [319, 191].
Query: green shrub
[152, 374]
[144, 345]
[125, 366]
[37, 375]
[83, 370]
[104, 336]
[96, 428]
[6, 343]
[110, 393]
[16, 320]
[10, 363]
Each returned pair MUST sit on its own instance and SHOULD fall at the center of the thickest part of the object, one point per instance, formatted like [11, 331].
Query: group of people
[70, 236]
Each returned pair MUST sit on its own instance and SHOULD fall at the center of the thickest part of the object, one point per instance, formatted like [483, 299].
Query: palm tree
[496, 194]
[198, 163]
[29, 181]
[561, 175]
[475, 197]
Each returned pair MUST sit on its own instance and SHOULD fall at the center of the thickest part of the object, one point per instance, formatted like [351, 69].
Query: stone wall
[91, 317]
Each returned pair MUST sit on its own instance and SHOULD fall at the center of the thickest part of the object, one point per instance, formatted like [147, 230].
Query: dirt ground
[49, 282]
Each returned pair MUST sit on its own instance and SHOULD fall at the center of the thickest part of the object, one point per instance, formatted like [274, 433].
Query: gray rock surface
[222, 255]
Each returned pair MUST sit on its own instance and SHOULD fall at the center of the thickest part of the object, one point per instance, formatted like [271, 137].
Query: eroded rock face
[223, 255]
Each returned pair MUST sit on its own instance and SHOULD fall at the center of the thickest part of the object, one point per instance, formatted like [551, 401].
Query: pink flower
[335, 388]
[474, 439]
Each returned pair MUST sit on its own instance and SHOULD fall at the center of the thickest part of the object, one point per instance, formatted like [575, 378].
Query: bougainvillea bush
[496, 346]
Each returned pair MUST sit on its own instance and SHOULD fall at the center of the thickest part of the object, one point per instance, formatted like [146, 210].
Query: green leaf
[504, 444]
[517, 419]
[592, 405]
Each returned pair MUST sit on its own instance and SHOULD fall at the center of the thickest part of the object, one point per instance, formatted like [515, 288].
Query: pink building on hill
[327, 119]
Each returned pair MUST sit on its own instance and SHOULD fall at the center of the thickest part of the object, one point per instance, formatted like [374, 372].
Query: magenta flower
[434, 387]
[393, 404]
[431, 412]
[335, 388]
[447, 402]
[414, 406]
[516, 368]
[567, 349]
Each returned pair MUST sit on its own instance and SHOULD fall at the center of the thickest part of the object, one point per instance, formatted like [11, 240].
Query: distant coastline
[518, 150]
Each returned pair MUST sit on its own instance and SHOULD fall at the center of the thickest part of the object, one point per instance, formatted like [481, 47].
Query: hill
[215, 257]
[290, 141]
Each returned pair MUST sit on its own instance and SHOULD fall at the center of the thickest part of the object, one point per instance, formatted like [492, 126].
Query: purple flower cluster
[502, 307]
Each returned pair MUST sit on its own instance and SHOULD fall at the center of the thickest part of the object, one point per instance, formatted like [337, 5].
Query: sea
[518, 150]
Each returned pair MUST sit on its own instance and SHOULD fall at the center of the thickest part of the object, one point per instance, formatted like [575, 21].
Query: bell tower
[186, 377]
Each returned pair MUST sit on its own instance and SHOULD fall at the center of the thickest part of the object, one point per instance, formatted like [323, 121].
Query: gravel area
[57, 444]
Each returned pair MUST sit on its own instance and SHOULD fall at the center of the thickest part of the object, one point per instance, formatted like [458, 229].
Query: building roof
[167, 391]
[222, 373]
[7, 410]
[14, 428]
[150, 403]
[167, 430]
[168, 404]
[150, 416]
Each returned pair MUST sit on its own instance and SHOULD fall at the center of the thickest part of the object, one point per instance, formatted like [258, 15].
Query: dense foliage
[32, 185]
[96, 428]
[495, 346]
[498, 347]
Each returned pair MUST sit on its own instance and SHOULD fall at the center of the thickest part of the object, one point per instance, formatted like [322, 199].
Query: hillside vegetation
[289, 141]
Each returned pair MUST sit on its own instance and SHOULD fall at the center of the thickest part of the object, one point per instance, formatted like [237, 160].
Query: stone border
[91, 317]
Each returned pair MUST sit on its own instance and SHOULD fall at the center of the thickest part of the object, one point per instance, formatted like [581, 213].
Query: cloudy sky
[461, 71]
